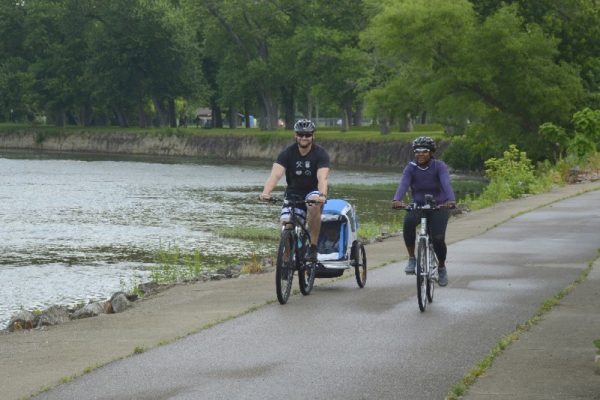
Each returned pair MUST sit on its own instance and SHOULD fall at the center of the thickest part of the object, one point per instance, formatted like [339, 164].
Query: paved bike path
[37, 359]
[346, 343]
[556, 358]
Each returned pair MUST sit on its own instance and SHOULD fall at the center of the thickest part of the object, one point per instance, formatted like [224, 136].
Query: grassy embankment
[356, 134]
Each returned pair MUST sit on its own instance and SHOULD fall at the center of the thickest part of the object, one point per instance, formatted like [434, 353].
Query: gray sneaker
[443, 276]
[410, 267]
[311, 255]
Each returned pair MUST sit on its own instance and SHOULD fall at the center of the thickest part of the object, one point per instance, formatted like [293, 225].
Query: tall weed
[172, 266]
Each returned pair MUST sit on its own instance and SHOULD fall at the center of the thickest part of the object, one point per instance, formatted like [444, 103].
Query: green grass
[139, 349]
[355, 134]
[174, 265]
[248, 233]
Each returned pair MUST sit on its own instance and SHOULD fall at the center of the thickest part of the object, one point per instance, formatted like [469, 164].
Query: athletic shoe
[410, 267]
[443, 276]
[311, 255]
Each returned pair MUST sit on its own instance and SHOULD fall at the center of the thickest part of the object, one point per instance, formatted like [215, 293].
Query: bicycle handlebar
[415, 206]
[278, 200]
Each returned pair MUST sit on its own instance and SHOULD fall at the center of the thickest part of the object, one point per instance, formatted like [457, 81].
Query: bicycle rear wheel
[284, 271]
[421, 272]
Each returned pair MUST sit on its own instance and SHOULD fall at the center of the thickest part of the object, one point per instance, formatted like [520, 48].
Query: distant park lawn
[365, 133]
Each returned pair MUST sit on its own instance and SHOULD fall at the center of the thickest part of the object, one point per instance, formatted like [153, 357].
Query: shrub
[512, 176]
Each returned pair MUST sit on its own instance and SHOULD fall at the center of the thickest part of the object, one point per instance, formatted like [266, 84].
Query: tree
[411, 51]
[252, 28]
[495, 72]
[14, 78]
[145, 50]
[330, 60]
[576, 26]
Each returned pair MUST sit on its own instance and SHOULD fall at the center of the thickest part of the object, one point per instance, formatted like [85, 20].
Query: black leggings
[438, 221]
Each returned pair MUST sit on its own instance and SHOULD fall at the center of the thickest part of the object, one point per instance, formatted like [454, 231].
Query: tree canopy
[481, 68]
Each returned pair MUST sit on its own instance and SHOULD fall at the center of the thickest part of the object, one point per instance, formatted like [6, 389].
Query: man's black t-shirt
[301, 171]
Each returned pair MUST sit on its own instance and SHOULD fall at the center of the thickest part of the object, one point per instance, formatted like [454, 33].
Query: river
[78, 228]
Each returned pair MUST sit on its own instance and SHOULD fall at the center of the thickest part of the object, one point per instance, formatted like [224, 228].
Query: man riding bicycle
[306, 168]
[426, 175]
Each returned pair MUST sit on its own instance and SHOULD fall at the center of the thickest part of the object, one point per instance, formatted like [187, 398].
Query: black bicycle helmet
[304, 126]
[424, 142]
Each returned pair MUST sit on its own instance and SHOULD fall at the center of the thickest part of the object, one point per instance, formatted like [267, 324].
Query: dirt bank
[234, 147]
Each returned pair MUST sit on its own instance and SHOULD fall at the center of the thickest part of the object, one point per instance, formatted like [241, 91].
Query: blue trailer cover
[337, 207]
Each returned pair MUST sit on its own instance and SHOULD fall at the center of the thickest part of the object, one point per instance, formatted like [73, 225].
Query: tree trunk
[217, 119]
[160, 111]
[308, 111]
[84, 116]
[121, 118]
[347, 116]
[269, 120]
[232, 117]
[384, 125]
[358, 115]
[60, 117]
[246, 115]
[288, 96]
[142, 114]
[407, 124]
[172, 116]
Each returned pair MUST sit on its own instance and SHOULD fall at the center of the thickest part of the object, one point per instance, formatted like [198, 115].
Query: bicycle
[427, 263]
[291, 255]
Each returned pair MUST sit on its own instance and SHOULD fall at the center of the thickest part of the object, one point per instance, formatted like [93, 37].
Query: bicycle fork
[431, 257]
[429, 270]
[423, 235]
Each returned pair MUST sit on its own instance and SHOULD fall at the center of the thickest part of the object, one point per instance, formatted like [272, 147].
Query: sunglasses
[421, 151]
[305, 135]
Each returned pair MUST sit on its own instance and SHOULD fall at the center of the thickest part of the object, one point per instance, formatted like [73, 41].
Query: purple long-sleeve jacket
[433, 179]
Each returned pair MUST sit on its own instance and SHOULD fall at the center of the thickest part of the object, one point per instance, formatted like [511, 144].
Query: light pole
[11, 115]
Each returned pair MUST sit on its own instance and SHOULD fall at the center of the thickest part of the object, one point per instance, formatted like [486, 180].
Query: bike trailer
[339, 232]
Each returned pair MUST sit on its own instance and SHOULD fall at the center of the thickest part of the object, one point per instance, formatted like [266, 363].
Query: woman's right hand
[398, 204]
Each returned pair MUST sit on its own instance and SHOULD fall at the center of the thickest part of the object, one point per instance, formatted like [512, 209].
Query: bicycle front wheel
[284, 271]
[430, 277]
[306, 278]
[422, 274]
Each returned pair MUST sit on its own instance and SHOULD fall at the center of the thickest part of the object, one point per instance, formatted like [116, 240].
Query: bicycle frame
[291, 255]
[298, 228]
[431, 266]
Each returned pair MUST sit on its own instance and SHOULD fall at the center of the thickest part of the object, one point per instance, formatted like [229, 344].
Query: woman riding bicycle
[306, 169]
[426, 175]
